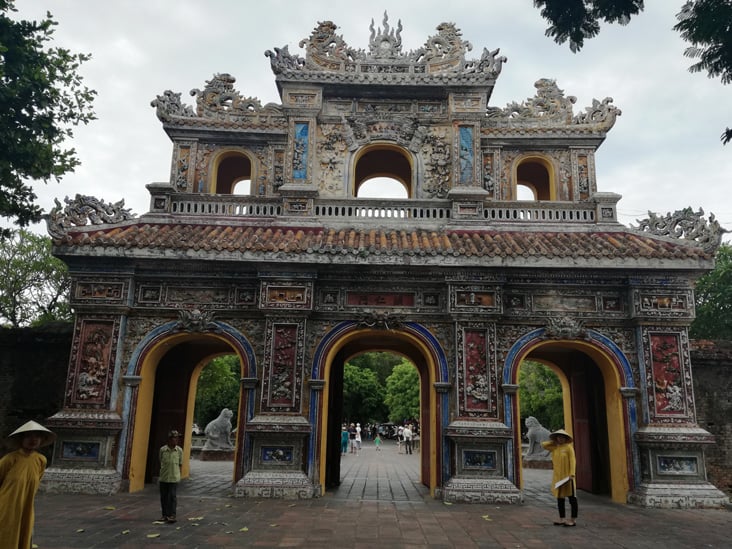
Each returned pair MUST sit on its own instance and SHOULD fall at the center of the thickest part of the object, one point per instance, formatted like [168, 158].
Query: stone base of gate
[275, 485]
[679, 496]
[477, 490]
[57, 480]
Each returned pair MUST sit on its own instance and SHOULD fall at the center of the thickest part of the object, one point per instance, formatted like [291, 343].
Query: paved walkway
[380, 503]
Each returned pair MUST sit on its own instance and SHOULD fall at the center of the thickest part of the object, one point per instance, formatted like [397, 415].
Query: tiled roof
[300, 242]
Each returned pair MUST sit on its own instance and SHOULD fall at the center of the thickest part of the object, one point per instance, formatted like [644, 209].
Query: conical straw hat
[47, 437]
[560, 432]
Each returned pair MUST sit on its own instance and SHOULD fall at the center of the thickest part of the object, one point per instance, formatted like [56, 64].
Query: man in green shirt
[171, 461]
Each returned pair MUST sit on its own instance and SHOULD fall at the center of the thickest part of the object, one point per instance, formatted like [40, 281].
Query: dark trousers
[572, 504]
[168, 498]
[408, 446]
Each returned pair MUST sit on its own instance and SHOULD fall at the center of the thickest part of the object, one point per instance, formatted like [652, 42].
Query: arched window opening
[232, 170]
[525, 192]
[243, 187]
[383, 171]
[534, 175]
[382, 187]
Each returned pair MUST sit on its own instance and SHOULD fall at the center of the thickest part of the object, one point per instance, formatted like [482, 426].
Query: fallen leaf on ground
[447, 503]
[79, 530]
[195, 518]
[110, 508]
[125, 532]
[245, 529]
[487, 517]
[153, 535]
[274, 525]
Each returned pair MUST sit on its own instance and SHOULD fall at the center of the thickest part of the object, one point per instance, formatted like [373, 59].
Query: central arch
[348, 339]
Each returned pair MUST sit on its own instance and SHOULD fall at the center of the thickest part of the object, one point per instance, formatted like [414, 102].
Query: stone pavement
[380, 503]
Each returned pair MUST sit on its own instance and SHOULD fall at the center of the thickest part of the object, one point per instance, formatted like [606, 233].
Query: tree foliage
[705, 24]
[714, 300]
[363, 395]
[541, 394]
[34, 285]
[380, 362]
[402, 392]
[218, 388]
[42, 98]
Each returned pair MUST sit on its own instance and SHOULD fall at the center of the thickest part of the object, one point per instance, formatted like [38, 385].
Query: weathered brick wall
[712, 371]
[33, 364]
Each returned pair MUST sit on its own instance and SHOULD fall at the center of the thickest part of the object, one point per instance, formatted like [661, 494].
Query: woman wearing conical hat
[20, 476]
[564, 467]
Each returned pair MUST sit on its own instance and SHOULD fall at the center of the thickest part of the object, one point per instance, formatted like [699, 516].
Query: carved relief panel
[667, 375]
[99, 291]
[475, 299]
[476, 376]
[283, 366]
[93, 352]
[331, 150]
[293, 295]
[662, 304]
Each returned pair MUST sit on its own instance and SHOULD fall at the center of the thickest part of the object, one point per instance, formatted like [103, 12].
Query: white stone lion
[218, 432]
[536, 435]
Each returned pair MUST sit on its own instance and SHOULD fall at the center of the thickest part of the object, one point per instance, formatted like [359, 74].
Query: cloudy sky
[663, 154]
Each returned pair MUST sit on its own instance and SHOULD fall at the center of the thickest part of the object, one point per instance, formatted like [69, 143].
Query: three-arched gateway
[459, 277]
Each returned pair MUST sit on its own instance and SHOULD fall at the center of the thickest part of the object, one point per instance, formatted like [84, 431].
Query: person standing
[20, 476]
[564, 467]
[344, 439]
[377, 442]
[407, 434]
[171, 461]
[358, 437]
[352, 437]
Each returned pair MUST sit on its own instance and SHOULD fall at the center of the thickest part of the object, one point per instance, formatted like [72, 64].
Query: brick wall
[712, 370]
[33, 364]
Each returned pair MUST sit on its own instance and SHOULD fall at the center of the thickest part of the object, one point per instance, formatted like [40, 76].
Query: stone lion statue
[536, 435]
[218, 432]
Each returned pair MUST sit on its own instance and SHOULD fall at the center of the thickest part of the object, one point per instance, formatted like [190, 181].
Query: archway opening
[533, 175]
[356, 344]
[166, 401]
[233, 172]
[592, 412]
[391, 165]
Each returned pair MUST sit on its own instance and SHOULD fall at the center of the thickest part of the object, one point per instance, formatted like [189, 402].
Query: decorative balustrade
[386, 210]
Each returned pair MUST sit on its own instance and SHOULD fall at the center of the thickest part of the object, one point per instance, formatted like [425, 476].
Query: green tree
[42, 97]
[218, 388]
[714, 299]
[363, 395]
[402, 392]
[380, 362]
[541, 394]
[34, 285]
[705, 24]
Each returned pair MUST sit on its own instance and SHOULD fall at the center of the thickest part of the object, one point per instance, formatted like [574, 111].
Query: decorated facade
[298, 273]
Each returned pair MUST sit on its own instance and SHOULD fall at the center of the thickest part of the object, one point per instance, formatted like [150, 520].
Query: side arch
[622, 420]
[436, 366]
[139, 379]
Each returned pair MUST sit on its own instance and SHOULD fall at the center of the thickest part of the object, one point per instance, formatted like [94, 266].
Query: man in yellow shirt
[171, 461]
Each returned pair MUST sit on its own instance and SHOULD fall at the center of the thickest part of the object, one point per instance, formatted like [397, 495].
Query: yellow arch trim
[614, 406]
[431, 369]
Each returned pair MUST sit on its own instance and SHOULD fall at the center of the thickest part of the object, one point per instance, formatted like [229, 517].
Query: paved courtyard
[380, 503]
